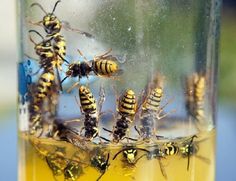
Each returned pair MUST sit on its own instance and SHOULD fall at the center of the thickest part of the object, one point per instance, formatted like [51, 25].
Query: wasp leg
[72, 87]
[66, 25]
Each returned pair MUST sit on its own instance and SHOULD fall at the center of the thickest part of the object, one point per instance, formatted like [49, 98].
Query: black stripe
[101, 67]
[106, 66]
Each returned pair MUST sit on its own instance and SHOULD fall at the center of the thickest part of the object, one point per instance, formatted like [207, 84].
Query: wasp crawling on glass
[126, 109]
[195, 96]
[91, 112]
[100, 161]
[48, 57]
[52, 25]
[104, 65]
[151, 109]
[42, 90]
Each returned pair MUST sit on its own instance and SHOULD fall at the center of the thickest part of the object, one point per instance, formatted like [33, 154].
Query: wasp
[90, 110]
[170, 148]
[157, 153]
[104, 65]
[151, 110]
[189, 148]
[150, 113]
[43, 87]
[195, 95]
[126, 109]
[72, 171]
[100, 161]
[59, 164]
[52, 26]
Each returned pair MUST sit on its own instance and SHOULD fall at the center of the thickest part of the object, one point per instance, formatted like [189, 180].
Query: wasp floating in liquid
[156, 152]
[130, 153]
[190, 148]
[100, 161]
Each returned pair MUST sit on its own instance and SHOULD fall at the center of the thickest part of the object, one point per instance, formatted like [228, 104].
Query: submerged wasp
[130, 153]
[60, 165]
[100, 161]
[190, 148]
[195, 95]
[104, 65]
[126, 110]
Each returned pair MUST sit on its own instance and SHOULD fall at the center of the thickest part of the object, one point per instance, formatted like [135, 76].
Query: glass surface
[112, 90]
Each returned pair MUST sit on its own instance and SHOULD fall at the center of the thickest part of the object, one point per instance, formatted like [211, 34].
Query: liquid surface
[34, 164]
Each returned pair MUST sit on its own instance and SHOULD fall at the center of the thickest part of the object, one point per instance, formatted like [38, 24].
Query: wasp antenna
[108, 156]
[106, 53]
[105, 139]
[64, 79]
[63, 58]
[82, 55]
[55, 6]
[34, 31]
[118, 153]
[100, 176]
[105, 129]
[40, 6]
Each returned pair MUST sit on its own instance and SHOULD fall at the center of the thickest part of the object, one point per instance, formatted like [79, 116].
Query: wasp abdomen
[104, 67]
[127, 104]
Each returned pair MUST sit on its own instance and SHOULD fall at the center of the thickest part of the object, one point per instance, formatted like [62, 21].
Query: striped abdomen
[199, 95]
[87, 101]
[170, 148]
[59, 46]
[104, 67]
[127, 103]
[152, 102]
[44, 85]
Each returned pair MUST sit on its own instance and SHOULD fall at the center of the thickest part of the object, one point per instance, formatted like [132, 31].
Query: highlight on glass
[117, 90]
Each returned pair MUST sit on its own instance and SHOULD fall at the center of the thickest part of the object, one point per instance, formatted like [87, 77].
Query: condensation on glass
[117, 89]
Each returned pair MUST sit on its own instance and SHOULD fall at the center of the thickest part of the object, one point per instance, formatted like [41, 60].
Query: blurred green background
[227, 92]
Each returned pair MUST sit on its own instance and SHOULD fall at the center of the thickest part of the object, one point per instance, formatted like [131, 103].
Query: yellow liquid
[33, 165]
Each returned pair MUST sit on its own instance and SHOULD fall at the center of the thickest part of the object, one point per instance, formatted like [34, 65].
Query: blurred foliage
[227, 88]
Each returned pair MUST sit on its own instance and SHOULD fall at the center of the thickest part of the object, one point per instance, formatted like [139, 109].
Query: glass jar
[112, 90]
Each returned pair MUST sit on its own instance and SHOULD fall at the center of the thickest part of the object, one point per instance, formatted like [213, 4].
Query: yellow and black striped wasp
[52, 26]
[48, 57]
[42, 89]
[130, 153]
[126, 110]
[100, 161]
[104, 65]
[91, 112]
[195, 88]
[151, 109]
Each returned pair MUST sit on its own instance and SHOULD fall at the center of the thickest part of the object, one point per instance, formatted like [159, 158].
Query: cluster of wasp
[52, 54]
